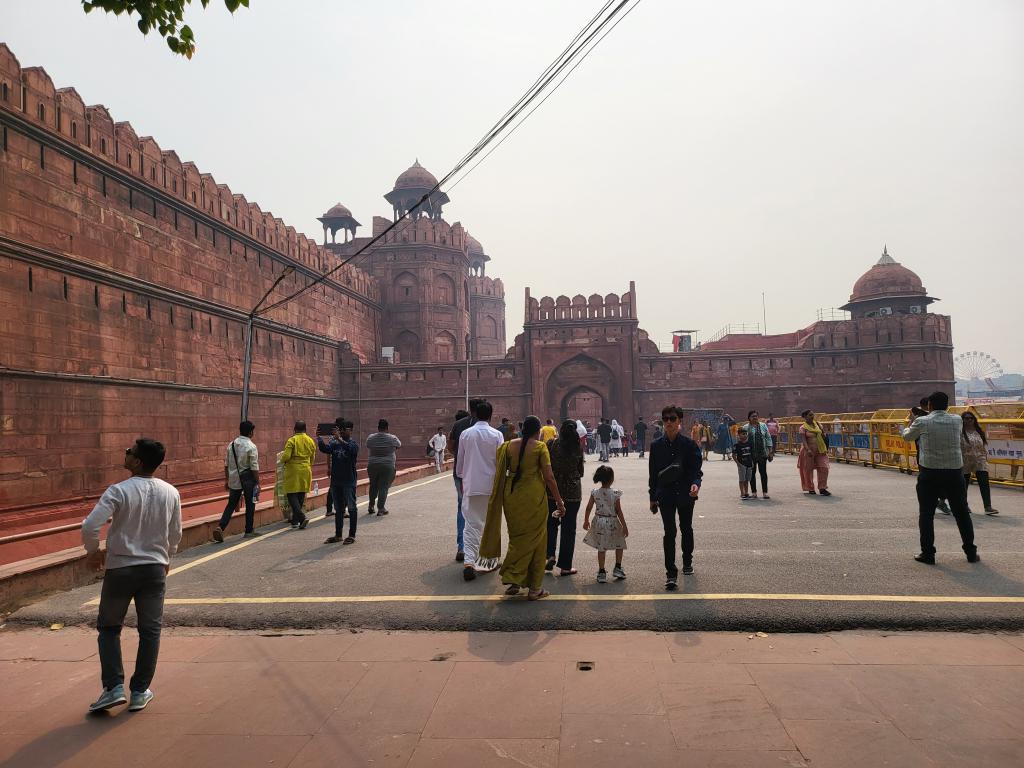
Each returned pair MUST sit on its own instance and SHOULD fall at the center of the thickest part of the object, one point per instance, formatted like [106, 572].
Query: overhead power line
[578, 49]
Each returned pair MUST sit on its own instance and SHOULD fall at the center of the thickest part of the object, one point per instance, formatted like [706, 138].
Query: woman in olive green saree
[523, 472]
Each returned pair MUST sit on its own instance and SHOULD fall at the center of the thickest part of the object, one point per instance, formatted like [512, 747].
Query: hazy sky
[707, 150]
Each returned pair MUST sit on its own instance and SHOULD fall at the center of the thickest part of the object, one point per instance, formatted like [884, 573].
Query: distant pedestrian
[673, 481]
[773, 427]
[508, 432]
[659, 430]
[705, 439]
[813, 455]
[627, 441]
[437, 444]
[641, 437]
[299, 452]
[744, 459]
[343, 451]
[380, 466]
[604, 437]
[567, 467]
[616, 442]
[145, 528]
[609, 529]
[478, 451]
[523, 473]
[463, 421]
[974, 447]
[723, 437]
[242, 479]
[548, 432]
[763, 449]
[940, 463]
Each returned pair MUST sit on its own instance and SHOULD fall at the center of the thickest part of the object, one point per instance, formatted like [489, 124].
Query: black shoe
[381, 512]
[460, 556]
[549, 564]
[304, 523]
[333, 540]
[670, 584]
[468, 573]
[925, 558]
[687, 570]
[372, 511]
[218, 534]
[825, 492]
[810, 493]
[329, 514]
[973, 557]
[251, 534]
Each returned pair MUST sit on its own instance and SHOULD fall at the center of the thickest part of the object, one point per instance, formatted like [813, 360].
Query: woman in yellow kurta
[523, 473]
[299, 452]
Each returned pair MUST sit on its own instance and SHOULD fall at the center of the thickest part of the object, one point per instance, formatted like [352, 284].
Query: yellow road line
[270, 534]
[575, 598]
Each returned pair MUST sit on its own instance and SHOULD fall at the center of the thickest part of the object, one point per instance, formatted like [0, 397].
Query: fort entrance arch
[582, 404]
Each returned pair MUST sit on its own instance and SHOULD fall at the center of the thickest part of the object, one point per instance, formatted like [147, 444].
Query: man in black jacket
[674, 476]
[604, 436]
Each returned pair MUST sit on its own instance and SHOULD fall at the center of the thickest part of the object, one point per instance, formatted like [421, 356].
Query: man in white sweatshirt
[475, 464]
[145, 528]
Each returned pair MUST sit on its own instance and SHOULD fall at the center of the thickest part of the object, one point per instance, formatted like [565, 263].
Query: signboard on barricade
[893, 444]
[1006, 450]
[862, 442]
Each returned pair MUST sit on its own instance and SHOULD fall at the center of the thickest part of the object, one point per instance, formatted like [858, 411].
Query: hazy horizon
[708, 152]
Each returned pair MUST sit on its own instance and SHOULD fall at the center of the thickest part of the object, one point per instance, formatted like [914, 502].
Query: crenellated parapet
[422, 231]
[29, 93]
[487, 287]
[581, 308]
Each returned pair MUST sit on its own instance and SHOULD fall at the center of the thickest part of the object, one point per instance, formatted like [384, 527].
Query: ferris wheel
[972, 365]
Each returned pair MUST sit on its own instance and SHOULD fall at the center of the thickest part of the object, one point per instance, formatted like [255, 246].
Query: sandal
[570, 572]
[349, 540]
[538, 595]
[512, 590]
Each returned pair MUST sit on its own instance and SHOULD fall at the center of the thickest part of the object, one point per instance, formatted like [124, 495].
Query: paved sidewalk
[709, 700]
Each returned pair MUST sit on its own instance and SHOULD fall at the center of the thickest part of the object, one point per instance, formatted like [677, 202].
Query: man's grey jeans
[145, 584]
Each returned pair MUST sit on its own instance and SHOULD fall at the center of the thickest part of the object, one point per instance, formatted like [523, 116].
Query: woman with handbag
[813, 455]
[522, 482]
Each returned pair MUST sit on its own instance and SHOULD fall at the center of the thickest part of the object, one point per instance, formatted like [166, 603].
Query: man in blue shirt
[674, 475]
[343, 451]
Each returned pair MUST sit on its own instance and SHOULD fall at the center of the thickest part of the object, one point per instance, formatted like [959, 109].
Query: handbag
[246, 477]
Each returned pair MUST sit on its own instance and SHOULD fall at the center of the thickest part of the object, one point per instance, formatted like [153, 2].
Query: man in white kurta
[478, 450]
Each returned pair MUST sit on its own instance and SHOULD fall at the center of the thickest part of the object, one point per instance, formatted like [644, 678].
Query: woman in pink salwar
[813, 455]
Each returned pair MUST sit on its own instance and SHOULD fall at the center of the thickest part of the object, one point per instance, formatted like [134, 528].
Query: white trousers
[439, 460]
[474, 510]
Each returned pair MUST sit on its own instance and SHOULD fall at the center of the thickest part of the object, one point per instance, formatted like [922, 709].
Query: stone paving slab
[408, 699]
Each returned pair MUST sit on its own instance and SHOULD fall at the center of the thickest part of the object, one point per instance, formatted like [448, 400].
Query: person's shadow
[59, 745]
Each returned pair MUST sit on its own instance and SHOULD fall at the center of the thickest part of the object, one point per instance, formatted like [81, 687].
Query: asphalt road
[860, 542]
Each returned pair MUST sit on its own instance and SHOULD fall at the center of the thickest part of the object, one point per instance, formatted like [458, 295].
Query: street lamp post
[247, 362]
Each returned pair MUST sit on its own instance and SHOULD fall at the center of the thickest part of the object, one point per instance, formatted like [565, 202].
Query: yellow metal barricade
[873, 438]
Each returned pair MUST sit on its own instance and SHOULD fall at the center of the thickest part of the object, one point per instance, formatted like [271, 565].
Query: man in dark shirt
[641, 436]
[675, 492]
[604, 436]
[463, 421]
[343, 451]
[506, 429]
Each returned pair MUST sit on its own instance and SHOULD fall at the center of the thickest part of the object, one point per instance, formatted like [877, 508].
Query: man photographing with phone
[674, 475]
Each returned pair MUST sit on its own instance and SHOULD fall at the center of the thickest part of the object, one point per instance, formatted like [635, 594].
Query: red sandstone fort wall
[126, 276]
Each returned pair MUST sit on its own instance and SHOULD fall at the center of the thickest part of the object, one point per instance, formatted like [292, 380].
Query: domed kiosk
[338, 217]
[477, 258]
[411, 187]
[888, 288]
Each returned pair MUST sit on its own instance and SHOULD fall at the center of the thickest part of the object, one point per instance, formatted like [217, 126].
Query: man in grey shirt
[145, 528]
[380, 466]
[939, 463]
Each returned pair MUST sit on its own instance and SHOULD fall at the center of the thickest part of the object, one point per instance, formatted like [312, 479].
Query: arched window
[405, 287]
[407, 344]
[445, 291]
[489, 328]
[444, 347]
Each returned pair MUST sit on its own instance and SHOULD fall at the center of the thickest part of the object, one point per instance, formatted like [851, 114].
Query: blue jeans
[344, 498]
[460, 521]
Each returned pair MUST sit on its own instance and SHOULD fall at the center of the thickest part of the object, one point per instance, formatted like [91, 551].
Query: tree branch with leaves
[164, 16]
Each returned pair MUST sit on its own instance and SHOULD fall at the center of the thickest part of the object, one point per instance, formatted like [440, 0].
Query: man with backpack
[241, 476]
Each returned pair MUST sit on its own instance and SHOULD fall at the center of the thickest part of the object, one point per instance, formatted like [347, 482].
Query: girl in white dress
[608, 530]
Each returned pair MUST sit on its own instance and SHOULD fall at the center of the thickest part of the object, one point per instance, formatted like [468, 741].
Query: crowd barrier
[872, 438]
